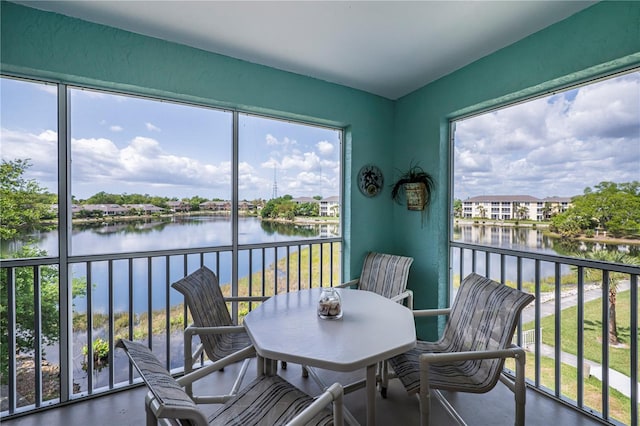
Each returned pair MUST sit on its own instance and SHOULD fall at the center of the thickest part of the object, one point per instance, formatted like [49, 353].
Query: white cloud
[41, 150]
[116, 128]
[273, 141]
[552, 146]
[151, 127]
[271, 163]
[307, 161]
[325, 147]
[607, 109]
[48, 88]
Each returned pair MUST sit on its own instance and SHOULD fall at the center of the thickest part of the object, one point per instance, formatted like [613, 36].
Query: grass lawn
[619, 357]
[619, 405]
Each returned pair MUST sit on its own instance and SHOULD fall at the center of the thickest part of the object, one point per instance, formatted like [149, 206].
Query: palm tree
[522, 212]
[482, 211]
[614, 279]
[546, 210]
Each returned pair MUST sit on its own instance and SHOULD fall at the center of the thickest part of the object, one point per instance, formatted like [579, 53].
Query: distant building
[330, 206]
[509, 207]
[246, 205]
[106, 209]
[178, 206]
[303, 200]
[218, 206]
[144, 208]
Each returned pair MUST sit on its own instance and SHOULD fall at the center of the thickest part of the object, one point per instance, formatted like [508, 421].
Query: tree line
[285, 208]
[608, 207]
[25, 206]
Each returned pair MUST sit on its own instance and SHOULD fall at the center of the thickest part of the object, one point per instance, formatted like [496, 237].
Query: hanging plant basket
[415, 186]
[416, 195]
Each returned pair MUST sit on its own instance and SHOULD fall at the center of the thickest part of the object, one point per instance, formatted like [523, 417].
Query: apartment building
[508, 207]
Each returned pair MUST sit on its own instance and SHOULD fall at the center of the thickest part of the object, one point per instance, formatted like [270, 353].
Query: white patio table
[373, 328]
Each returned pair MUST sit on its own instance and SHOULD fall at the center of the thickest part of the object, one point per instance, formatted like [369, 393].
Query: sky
[552, 146]
[122, 144]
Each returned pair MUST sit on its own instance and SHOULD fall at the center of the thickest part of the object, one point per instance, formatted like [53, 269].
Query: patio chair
[471, 353]
[386, 275]
[219, 337]
[267, 400]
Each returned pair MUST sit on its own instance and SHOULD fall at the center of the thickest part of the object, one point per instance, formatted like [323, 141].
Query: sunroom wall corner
[601, 39]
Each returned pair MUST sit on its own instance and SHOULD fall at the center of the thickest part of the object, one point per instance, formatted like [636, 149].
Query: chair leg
[150, 417]
[384, 378]
[425, 393]
[188, 361]
[520, 388]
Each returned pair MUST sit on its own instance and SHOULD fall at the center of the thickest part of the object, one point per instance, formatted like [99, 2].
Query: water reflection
[531, 239]
[525, 239]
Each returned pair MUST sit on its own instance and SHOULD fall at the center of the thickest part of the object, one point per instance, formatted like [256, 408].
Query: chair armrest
[191, 377]
[431, 312]
[349, 284]
[333, 393]
[246, 299]
[226, 329]
[408, 295]
[434, 358]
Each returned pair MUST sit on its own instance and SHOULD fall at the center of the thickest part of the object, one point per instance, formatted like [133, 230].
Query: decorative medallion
[370, 180]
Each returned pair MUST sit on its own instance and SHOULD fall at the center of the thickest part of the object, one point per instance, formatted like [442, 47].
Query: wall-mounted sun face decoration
[370, 180]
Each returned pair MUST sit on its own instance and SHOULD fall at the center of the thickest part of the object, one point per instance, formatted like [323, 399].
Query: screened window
[146, 173]
[29, 174]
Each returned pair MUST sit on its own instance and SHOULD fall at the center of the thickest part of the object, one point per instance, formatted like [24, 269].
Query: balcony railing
[567, 330]
[61, 341]
[129, 295]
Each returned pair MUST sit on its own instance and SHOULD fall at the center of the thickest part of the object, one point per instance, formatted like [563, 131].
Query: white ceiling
[389, 48]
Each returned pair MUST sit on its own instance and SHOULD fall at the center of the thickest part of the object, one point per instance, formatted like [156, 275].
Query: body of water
[212, 231]
[523, 239]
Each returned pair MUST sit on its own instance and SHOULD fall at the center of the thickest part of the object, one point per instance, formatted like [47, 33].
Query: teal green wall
[596, 41]
[46, 45]
[599, 40]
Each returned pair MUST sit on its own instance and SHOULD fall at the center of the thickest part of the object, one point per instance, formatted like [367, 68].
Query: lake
[211, 231]
[525, 239]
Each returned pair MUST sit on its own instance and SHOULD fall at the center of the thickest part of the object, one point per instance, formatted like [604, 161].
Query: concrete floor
[495, 408]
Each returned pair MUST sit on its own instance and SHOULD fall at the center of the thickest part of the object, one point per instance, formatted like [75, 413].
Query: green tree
[569, 224]
[281, 207]
[614, 279]
[195, 201]
[457, 207]
[23, 288]
[23, 203]
[482, 211]
[547, 210]
[614, 207]
[269, 209]
[104, 198]
[522, 212]
[307, 209]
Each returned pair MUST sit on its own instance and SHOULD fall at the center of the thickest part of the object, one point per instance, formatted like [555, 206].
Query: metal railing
[129, 295]
[577, 301]
[62, 355]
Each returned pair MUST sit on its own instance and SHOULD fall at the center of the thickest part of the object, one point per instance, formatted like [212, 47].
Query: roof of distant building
[557, 199]
[304, 200]
[333, 199]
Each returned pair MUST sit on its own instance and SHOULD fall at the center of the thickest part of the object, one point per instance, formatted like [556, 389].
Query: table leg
[260, 365]
[371, 395]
